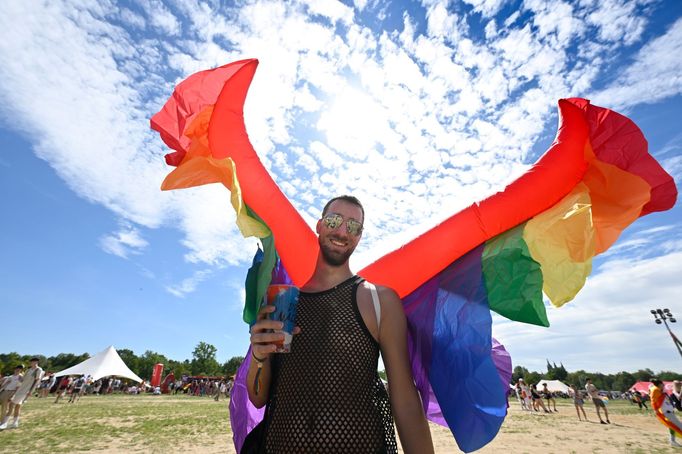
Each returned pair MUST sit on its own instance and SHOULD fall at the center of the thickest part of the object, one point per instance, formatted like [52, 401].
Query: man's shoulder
[381, 289]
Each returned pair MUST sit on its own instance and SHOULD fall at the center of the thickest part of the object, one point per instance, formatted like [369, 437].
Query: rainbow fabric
[539, 235]
[661, 406]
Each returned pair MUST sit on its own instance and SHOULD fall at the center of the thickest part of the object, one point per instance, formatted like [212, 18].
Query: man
[596, 399]
[326, 395]
[8, 386]
[31, 380]
[665, 409]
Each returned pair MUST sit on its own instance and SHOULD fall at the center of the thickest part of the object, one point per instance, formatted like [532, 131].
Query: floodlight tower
[663, 316]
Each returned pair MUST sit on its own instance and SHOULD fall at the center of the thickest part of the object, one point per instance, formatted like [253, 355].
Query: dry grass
[200, 425]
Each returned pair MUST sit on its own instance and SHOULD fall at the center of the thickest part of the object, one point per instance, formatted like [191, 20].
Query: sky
[417, 108]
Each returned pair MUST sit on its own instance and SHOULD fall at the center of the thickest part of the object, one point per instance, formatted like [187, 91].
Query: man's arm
[413, 429]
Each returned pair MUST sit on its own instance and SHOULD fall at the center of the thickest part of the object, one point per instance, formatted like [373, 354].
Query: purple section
[420, 308]
[503, 363]
[458, 372]
[243, 415]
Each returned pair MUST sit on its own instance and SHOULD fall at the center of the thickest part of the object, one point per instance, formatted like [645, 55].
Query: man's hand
[263, 340]
[262, 346]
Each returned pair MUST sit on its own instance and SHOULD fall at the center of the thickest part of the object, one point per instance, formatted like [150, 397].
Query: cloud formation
[418, 121]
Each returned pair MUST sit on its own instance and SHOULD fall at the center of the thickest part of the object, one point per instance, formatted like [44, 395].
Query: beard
[333, 257]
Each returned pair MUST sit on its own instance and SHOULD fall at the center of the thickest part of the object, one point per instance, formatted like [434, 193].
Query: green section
[513, 279]
[259, 275]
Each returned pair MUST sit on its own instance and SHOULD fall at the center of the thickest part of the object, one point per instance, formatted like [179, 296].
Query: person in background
[537, 399]
[8, 385]
[596, 400]
[637, 398]
[76, 389]
[47, 385]
[676, 395]
[31, 380]
[662, 404]
[578, 401]
[549, 397]
[64, 386]
[520, 397]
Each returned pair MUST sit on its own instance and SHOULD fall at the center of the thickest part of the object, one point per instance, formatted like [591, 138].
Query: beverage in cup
[285, 299]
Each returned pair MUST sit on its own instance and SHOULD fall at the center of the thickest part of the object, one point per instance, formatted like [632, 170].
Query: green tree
[64, 360]
[8, 361]
[179, 368]
[147, 362]
[669, 376]
[532, 377]
[130, 359]
[203, 360]
[231, 366]
[622, 381]
[519, 372]
[644, 375]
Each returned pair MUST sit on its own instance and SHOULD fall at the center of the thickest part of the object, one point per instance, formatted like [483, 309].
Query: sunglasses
[333, 221]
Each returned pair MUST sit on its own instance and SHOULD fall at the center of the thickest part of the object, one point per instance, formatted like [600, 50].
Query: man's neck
[327, 276]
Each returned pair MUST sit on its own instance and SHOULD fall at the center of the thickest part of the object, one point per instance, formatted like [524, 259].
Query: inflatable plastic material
[539, 234]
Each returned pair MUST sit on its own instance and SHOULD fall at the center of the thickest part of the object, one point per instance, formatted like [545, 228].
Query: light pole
[663, 316]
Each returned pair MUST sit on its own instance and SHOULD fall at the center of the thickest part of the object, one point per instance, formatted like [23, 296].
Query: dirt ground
[561, 433]
[169, 424]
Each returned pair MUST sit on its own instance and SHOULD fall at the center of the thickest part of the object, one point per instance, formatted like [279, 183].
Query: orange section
[617, 199]
[198, 171]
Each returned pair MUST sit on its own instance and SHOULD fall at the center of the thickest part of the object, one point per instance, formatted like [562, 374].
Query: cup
[285, 299]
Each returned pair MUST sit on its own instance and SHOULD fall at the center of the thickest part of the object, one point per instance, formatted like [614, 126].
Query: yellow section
[199, 168]
[562, 240]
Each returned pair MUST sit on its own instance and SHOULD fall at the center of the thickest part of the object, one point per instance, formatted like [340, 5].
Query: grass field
[184, 424]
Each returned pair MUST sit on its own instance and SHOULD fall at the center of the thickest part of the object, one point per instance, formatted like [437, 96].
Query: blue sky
[418, 108]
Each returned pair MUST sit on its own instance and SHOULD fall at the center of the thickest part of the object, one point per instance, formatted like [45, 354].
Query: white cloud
[124, 242]
[488, 8]
[610, 317]
[161, 17]
[655, 73]
[331, 9]
[132, 19]
[618, 20]
[189, 284]
[410, 121]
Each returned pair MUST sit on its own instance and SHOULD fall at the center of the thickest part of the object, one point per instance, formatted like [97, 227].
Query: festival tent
[643, 387]
[554, 386]
[103, 364]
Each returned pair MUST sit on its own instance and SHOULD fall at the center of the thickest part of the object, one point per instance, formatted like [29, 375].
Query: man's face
[18, 370]
[337, 244]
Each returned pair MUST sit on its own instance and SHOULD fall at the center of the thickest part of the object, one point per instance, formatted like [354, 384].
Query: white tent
[554, 386]
[103, 364]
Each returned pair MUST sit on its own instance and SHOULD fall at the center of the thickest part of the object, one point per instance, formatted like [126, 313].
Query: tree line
[621, 381]
[203, 362]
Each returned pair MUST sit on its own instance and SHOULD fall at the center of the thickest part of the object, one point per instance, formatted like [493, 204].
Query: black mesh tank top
[326, 395]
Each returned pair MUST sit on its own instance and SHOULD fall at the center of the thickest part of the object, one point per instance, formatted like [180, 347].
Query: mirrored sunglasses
[333, 221]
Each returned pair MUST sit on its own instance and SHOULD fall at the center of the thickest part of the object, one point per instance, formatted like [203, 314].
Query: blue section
[463, 375]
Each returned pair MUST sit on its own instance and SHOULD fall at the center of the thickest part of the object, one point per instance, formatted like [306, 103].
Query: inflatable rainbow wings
[538, 235]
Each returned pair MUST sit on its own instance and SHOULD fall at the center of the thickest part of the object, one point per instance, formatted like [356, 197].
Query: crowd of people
[15, 389]
[531, 399]
[202, 387]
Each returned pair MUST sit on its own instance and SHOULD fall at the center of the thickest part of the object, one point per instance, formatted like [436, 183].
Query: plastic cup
[285, 299]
